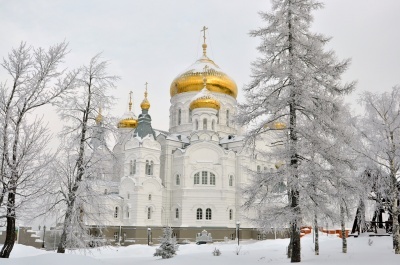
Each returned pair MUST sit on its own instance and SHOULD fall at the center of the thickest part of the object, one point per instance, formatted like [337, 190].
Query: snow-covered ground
[252, 252]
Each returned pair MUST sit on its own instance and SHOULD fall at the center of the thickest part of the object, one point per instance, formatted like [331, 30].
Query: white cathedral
[189, 178]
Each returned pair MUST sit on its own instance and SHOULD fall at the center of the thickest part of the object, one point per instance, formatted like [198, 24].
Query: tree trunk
[316, 243]
[396, 234]
[295, 228]
[10, 232]
[343, 227]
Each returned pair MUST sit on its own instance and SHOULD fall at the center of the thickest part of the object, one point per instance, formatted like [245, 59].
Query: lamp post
[148, 235]
[237, 230]
[44, 234]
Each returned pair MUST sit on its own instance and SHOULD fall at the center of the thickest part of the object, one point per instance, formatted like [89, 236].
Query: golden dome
[129, 119]
[276, 125]
[145, 103]
[99, 117]
[192, 79]
[204, 99]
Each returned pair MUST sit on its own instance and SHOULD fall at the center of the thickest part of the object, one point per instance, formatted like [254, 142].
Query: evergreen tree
[168, 245]
[297, 82]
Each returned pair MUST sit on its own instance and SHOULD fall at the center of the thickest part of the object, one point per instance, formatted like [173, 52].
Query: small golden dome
[129, 119]
[276, 125]
[99, 117]
[145, 105]
[128, 123]
[204, 99]
[192, 79]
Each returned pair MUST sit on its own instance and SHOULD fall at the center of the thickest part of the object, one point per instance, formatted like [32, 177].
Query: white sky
[155, 40]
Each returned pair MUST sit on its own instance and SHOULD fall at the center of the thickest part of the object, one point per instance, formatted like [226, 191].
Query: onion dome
[191, 79]
[129, 119]
[275, 125]
[204, 99]
[145, 105]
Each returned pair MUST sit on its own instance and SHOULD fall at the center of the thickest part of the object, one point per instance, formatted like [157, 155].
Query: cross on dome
[204, 40]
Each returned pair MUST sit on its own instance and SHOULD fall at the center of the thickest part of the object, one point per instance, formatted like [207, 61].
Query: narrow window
[230, 214]
[127, 211]
[148, 213]
[151, 168]
[227, 117]
[258, 169]
[190, 115]
[178, 180]
[131, 168]
[204, 177]
[116, 212]
[218, 117]
[147, 167]
[208, 214]
[197, 178]
[179, 116]
[199, 214]
[128, 195]
[213, 125]
[212, 179]
[230, 180]
[177, 213]
[204, 124]
[197, 124]
[116, 236]
[149, 197]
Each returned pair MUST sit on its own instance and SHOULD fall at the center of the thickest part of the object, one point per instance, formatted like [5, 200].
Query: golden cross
[204, 33]
[130, 100]
[145, 93]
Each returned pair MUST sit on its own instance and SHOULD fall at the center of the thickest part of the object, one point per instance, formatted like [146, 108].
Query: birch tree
[79, 111]
[36, 80]
[381, 135]
[294, 81]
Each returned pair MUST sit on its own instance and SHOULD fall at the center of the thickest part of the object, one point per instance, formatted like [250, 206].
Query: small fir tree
[168, 245]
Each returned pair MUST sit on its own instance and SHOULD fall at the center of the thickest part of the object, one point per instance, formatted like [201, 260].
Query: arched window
[213, 125]
[132, 168]
[190, 115]
[197, 178]
[177, 213]
[178, 180]
[148, 213]
[151, 167]
[204, 124]
[212, 179]
[208, 214]
[179, 116]
[199, 214]
[149, 197]
[116, 211]
[230, 180]
[218, 116]
[203, 177]
[227, 117]
[127, 212]
[258, 169]
[230, 214]
[197, 124]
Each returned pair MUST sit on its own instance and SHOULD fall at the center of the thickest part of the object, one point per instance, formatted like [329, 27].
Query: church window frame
[196, 180]
[208, 214]
[258, 169]
[204, 124]
[149, 167]
[230, 181]
[213, 125]
[179, 116]
[190, 115]
[149, 197]
[212, 179]
[199, 214]
[116, 212]
[227, 117]
[230, 214]
[204, 177]
[132, 167]
[149, 213]
[197, 124]
[178, 180]
[116, 236]
[177, 213]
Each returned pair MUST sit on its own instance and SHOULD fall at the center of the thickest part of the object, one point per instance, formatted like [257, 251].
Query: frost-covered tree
[168, 245]
[294, 81]
[381, 135]
[79, 111]
[36, 80]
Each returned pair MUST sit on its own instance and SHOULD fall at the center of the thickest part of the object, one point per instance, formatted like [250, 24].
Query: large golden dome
[192, 79]
[128, 120]
[204, 99]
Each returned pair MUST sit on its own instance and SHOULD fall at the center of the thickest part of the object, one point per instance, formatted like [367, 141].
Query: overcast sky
[153, 41]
